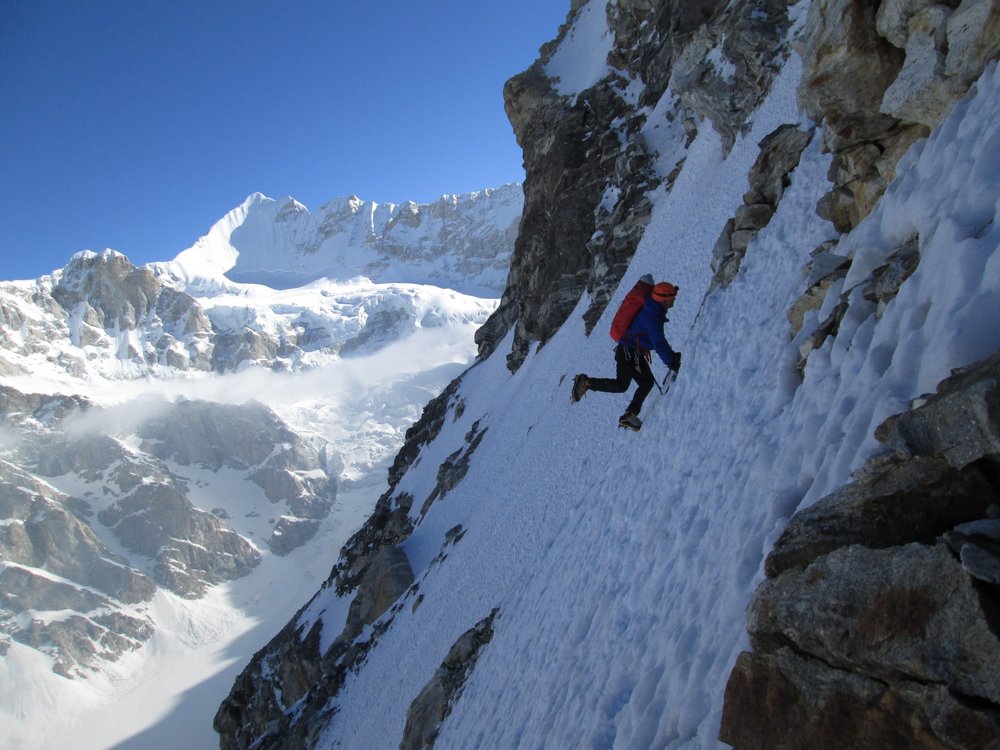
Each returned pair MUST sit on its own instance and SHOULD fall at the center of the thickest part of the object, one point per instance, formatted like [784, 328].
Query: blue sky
[137, 124]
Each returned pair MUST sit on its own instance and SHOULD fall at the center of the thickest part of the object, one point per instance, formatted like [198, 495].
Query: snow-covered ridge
[460, 241]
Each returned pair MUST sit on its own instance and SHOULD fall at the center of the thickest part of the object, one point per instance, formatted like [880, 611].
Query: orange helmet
[665, 291]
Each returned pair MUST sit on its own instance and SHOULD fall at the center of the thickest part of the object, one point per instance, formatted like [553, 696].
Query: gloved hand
[675, 363]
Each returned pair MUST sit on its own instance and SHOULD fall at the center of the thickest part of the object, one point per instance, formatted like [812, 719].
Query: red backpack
[630, 307]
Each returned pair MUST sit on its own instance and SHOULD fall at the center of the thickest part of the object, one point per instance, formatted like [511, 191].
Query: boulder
[785, 700]
[921, 92]
[876, 626]
[914, 501]
[973, 39]
[387, 577]
[847, 68]
[978, 547]
[910, 613]
[961, 422]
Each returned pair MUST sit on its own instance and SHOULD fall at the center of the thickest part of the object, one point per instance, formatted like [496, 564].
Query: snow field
[622, 563]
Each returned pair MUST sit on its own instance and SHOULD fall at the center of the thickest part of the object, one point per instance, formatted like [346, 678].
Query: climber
[644, 333]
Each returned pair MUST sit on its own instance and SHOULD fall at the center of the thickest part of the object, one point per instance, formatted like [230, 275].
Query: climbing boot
[580, 385]
[630, 421]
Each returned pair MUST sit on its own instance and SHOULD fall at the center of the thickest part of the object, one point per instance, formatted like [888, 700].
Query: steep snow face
[622, 563]
[461, 241]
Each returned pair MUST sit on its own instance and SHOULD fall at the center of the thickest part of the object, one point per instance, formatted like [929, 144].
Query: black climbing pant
[629, 366]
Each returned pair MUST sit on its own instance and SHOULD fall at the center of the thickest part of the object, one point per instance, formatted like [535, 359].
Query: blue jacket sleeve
[654, 329]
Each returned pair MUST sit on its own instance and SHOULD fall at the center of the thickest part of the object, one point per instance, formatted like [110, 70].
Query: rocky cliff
[876, 626]
[131, 477]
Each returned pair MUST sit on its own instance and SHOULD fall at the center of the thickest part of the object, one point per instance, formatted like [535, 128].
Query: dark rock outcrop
[914, 501]
[797, 703]
[386, 578]
[293, 669]
[780, 152]
[434, 703]
[454, 468]
[959, 423]
[877, 625]
[374, 572]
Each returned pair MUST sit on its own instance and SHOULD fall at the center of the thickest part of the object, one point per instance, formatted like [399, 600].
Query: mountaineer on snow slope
[638, 329]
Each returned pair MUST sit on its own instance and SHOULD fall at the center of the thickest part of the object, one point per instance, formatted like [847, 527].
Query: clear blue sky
[137, 124]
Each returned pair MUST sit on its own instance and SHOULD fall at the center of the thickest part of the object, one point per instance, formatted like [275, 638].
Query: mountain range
[171, 428]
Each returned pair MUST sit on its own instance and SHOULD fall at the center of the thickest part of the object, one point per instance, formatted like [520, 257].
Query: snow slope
[622, 563]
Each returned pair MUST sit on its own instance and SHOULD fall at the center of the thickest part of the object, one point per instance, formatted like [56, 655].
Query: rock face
[589, 169]
[247, 438]
[100, 311]
[867, 79]
[876, 626]
[432, 706]
[878, 75]
[53, 561]
[108, 292]
[192, 548]
[295, 670]
[132, 493]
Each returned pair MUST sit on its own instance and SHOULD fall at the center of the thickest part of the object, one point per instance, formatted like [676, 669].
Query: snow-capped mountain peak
[459, 241]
